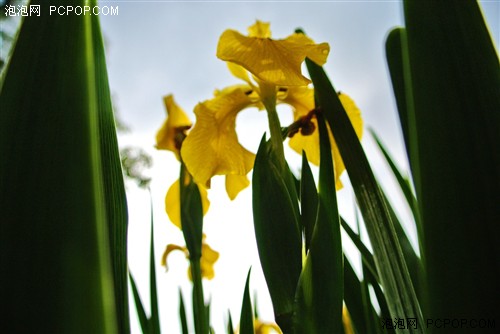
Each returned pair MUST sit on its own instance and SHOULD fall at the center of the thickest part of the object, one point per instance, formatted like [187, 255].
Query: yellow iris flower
[171, 137]
[276, 62]
[212, 147]
[174, 128]
[207, 261]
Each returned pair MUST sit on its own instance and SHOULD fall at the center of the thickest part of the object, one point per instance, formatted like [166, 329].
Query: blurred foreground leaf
[63, 227]
[453, 70]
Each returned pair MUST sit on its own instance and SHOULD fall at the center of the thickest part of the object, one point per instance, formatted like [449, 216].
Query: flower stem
[275, 129]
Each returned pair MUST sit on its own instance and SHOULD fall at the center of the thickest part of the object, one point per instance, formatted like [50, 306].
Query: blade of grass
[141, 313]
[182, 314]
[308, 201]
[353, 298]
[415, 264]
[154, 320]
[246, 316]
[366, 255]
[230, 327]
[404, 184]
[389, 260]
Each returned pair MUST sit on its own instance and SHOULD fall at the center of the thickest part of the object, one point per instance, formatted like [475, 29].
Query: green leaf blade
[52, 182]
[246, 316]
[455, 78]
[321, 287]
[276, 223]
[388, 257]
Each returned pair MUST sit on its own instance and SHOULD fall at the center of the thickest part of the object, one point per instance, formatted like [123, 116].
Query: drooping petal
[235, 184]
[170, 248]
[274, 61]
[212, 147]
[208, 259]
[173, 202]
[239, 72]
[174, 126]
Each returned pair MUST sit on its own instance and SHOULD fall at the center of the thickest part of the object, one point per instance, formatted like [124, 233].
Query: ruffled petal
[176, 124]
[260, 29]
[173, 202]
[274, 61]
[212, 147]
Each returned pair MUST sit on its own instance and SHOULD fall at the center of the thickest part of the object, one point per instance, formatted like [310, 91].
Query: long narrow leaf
[54, 235]
[246, 316]
[114, 189]
[321, 287]
[182, 314]
[141, 313]
[154, 320]
[353, 298]
[455, 77]
[366, 255]
[276, 222]
[389, 260]
[230, 329]
[404, 184]
[308, 201]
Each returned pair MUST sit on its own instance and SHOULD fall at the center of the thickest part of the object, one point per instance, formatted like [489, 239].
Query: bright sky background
[161, 47]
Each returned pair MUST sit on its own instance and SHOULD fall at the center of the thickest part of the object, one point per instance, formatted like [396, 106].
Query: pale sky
[166, 47]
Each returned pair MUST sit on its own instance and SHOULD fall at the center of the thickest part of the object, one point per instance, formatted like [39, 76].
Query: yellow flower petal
[174, 126]
[239, 72]
[274, 61]
[235, 184]
[208, 259]
[212, 147]
[301, 98]
[260, 29]
[173, 202]
[354, 114]
[310, 143]
[168, 250]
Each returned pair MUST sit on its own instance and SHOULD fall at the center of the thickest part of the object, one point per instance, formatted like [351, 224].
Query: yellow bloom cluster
[271, 73]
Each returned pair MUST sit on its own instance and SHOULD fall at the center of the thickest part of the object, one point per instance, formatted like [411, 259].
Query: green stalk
[274, 122]
[199, 312]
